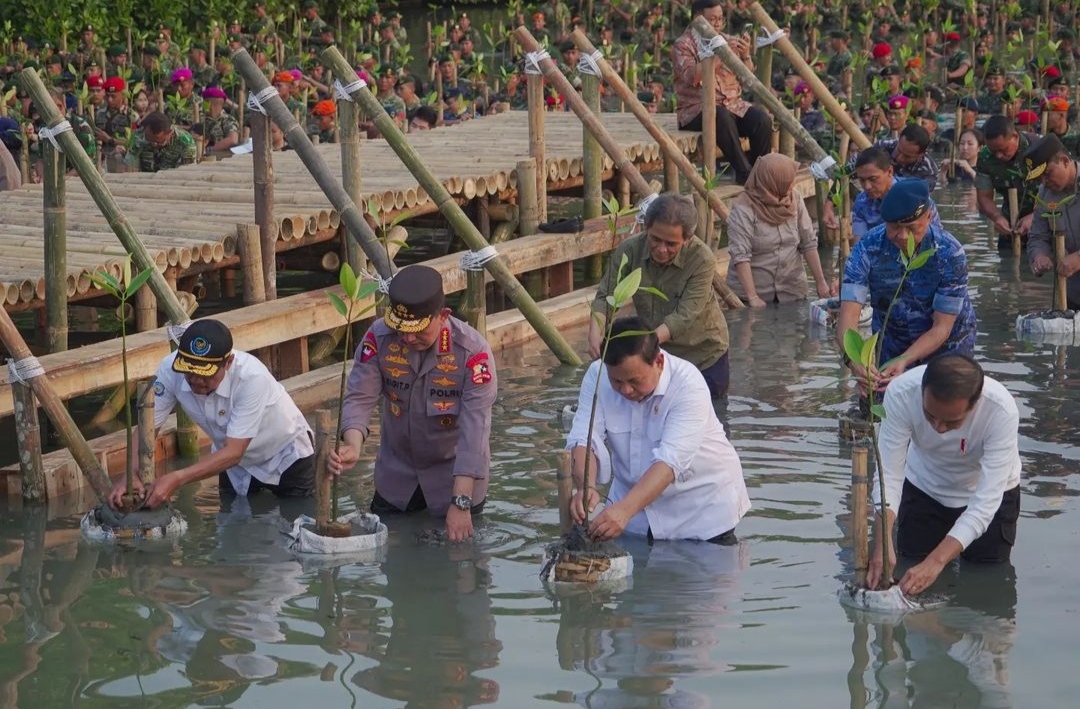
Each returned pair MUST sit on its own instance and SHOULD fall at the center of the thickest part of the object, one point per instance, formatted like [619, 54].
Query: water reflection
[637, 645]
[442, 629]
[954, 656]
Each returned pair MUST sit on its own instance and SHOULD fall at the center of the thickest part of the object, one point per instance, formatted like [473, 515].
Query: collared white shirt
[676, 425]
[971, 466]
[249, 403]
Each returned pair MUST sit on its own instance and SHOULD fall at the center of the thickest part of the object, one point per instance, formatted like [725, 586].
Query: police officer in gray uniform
[437, 379]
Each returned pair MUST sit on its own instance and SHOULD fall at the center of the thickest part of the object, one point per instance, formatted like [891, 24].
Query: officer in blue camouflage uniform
[437, 379]
[932, 312]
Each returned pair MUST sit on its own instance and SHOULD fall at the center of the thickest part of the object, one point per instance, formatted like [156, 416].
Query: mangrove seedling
[123, 289]
[866, 352]
[350, 305]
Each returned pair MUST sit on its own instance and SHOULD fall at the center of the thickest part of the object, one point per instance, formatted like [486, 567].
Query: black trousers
[298, 480]
[755, 126]
[417, 503]
[922, 522]
[726, 539]
[718, 376]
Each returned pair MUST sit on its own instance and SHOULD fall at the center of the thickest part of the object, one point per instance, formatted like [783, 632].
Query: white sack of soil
[162, 523]
[824, 311]
[890, 602]
[368, 534]
[1053, 327]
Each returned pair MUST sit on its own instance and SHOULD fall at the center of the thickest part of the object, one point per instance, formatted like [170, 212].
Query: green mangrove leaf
[625, 288]
[654, 291]
[106, 282]
[339, 304]
[347, 278]
[853, 344]
[877, 411]
[630, 333]
[869, 347]
[137, 282]
[920, 259]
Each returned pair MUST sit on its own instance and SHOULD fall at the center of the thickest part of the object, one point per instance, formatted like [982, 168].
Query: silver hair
[673, 208]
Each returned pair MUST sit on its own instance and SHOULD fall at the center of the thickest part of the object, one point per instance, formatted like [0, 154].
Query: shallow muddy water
[227, 617]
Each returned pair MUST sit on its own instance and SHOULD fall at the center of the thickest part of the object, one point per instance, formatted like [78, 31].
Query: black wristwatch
[462, 502]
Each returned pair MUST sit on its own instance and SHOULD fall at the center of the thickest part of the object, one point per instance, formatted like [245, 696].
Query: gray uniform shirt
[1041, 237]
[436, 411]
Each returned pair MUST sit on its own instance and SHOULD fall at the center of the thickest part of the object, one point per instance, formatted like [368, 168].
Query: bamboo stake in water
[1061, 297]
[1014, 217]
[28, 438]
[537, 151]
[592, 164]
[860, 458]
[351, 175]
[147, 443]
[55, 218]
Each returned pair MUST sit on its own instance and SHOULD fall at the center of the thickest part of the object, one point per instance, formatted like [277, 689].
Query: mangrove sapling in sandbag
[866, 353]
[576, 558]
[1059, 325]
[103, 523]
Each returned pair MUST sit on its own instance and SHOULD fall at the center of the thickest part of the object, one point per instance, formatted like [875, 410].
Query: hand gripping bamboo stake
[807, 73]
[464, 228]
[822, 161]
[623, 164]
[351, 215]
[34, 375]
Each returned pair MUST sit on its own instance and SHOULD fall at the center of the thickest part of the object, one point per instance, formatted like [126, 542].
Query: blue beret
[906, 201]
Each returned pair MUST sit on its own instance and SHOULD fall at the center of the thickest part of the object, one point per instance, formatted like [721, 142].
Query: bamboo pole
[248, 243]
[806, 72]
[453, 213]
[537, 144]
[351, 215]
[767, 98]
[324, 443]
[28, 438]
[55, 223]
[1014, 218]
[845, 222]
[860, 532]
[99, 191]
[592, 163]
[564, 484]
[145, 408]
[54, 408]
[262, 163]
[1061, 298]
[708, 116]
[529, 217]
[351, 175]
[475, 306]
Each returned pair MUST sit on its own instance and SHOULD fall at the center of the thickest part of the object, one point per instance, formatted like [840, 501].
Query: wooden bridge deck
[187, 217]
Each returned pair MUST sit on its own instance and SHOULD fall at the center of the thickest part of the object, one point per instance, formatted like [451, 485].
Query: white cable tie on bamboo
[23, 370]
[590, 63]
[643, 207]
[384, 283]
[51, 134]
[176, 331]
[821, 170]
[533, 59]
[256, 101]
[475, 260]
[707, 47]
[768, 39]
[345, 92]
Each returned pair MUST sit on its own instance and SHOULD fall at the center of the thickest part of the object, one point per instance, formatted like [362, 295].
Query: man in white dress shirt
[260, 438]
[675, 474]
[951, 459]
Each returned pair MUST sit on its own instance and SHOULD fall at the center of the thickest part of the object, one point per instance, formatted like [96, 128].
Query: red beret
[1051, 72]
[1027, 118]
[95, 82]
[881, 49]
[952, 36]
[114, 85]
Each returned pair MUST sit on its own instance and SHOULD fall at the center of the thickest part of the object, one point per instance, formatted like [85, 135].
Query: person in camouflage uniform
[114, 118]
[313, 24]
[263, 25]
[1057, 122]
[391, 102]
[1000, 167]
[841, 56]
[220, 130]
[180, 105]
[394, 18]
[283, 81]
[79, 127]
[158, 145]
[993, 98]
[569, 64]
[324, 122]
[87, 50]
[201, 70]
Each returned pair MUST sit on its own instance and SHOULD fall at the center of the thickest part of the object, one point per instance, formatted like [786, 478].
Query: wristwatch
[462, 502]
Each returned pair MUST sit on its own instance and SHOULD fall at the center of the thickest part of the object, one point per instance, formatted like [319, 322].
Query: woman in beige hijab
[768, 229]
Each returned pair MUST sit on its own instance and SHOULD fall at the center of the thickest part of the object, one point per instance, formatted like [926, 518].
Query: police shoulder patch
[368, 348]
[479, 369]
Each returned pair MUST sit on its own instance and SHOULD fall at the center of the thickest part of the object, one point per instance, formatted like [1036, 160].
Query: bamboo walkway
[187, 217]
